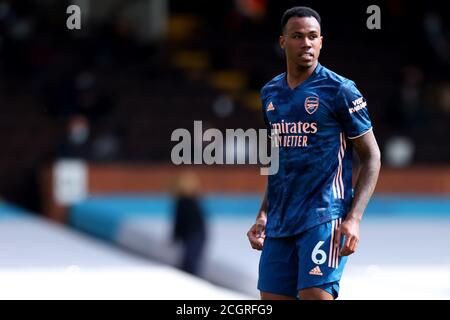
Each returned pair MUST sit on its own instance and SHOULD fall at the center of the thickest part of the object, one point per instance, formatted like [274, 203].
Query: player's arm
[369, 154]
[256, 234]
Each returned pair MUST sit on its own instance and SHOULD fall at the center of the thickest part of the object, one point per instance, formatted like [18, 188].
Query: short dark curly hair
[298, 12]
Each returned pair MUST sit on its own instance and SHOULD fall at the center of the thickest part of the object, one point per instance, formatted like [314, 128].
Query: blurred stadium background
[86, 118]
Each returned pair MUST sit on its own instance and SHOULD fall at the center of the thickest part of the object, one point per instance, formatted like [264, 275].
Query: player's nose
[306, 44]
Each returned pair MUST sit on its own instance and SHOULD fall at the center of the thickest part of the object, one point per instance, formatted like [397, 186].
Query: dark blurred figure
[190, 223]
[434, 28]
[408, 108]
[79, 93]
[412, 97]
[77, 143]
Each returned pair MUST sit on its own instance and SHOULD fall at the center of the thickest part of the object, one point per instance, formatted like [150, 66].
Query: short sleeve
[352, 111]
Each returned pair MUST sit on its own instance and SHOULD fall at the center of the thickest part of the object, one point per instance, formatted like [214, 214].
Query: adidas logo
[270, 107]
[316, 271]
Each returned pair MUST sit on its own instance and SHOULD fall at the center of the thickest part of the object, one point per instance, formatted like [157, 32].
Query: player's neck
[297, 74]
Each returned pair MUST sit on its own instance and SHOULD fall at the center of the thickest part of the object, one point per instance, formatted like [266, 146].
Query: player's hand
[350, 229]
[257, 234]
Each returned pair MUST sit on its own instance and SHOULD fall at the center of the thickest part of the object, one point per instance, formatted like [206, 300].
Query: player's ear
[321, 39]
[281, 40]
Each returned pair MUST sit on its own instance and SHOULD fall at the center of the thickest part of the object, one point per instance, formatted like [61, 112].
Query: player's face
[301, 41]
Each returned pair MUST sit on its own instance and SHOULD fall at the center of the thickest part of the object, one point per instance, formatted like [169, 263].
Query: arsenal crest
[311, 104]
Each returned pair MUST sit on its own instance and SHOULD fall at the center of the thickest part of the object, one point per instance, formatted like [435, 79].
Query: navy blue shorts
[309, 259]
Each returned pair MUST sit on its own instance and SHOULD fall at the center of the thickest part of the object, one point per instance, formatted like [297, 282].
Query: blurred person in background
[79, 141]
[409, 107]
[309, 219]
[189, 228]
[76, 144]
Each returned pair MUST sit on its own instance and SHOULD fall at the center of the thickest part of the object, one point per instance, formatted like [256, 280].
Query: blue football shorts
[309, 259]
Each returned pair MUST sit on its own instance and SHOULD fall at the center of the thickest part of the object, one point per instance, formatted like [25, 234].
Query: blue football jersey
[313, 123]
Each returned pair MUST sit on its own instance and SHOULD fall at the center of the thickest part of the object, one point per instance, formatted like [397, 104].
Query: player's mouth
[306, 56]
